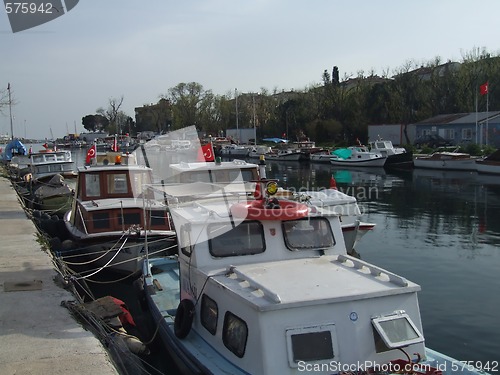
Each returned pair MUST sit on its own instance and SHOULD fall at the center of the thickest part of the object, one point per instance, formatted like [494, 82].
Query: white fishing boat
[233, 150]
[43, 164]
[111, 216]
[446, 160]
[286, 154]
[397, 157]
[265, 286]
[357, 156]
[248, 173]
[258, 150]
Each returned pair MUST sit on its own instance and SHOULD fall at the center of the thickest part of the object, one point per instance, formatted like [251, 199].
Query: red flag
[90, 154]
[483, 89]
[206, 153]
[115, 145]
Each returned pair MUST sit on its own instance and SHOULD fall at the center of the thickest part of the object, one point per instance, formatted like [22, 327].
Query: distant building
[461, 128]
[241, 136]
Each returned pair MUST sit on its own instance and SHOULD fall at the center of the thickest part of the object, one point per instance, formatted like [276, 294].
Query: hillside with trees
[337, 110]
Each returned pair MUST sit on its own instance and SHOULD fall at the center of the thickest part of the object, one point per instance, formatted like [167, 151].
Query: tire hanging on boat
[184, 318]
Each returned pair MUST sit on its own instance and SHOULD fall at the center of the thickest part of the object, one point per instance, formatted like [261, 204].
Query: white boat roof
[194, 166]
[116, 167]
[311, 281]
[328, 197]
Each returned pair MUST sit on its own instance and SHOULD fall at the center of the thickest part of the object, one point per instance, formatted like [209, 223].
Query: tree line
[336, 110]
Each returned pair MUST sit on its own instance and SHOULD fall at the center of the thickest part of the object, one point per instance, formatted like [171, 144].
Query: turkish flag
[90, 154]
[206, 153]
[483, 89]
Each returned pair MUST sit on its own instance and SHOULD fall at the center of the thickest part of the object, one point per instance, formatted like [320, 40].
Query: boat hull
[488, 167]
[114, 254]
[378, 162]
[459, 165]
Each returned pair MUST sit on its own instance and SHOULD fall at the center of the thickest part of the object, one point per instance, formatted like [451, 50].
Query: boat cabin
[110, 199]
[215, 172]
[275, 292]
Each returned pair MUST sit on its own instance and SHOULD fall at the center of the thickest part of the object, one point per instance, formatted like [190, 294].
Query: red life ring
[278, 210]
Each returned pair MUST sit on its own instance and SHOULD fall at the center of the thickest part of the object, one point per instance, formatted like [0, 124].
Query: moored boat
[321, 157]
[286, 154]
[111, 217]
[446, 160]
[357, 156]
[397, 157]
[265, 287]
[489, 164]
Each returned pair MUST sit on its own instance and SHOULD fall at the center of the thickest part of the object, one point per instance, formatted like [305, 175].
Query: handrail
[374, 270]
[254, 284]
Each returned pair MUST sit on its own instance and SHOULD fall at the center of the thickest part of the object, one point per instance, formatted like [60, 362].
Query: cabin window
[158, 218]
[185, 240]
[311, 344]
[226, 240]
[235, 334]
[92, 185]
[130, 218]
[394, 331]
[117, 183]
[209, 314]
[101, 220]
[307, 234]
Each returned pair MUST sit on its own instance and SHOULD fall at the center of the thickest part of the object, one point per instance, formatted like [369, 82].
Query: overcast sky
[67, 68]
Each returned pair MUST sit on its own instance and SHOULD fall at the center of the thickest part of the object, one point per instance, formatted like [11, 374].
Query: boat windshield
[307, 234]
[246, 238]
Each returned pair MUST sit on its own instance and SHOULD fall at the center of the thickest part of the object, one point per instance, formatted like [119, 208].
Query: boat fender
[184, 318]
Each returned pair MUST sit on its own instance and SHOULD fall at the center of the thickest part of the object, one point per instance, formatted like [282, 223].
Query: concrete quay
[37, 334]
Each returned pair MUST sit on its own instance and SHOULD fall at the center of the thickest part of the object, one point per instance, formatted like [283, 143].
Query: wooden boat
[111, 216]
[490, 164]
[265, 286]
[446, 160]
[357, 156]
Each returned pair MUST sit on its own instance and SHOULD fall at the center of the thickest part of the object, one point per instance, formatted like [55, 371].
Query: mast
[254, 123]
[10, 112]
[237, 126]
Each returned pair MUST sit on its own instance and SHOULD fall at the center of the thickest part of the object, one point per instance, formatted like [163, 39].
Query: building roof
[461, 118]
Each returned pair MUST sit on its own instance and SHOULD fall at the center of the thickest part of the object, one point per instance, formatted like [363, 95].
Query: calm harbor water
[440, 229]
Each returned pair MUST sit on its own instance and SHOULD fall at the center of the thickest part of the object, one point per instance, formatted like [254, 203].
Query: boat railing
[274, 297]
[373, 270]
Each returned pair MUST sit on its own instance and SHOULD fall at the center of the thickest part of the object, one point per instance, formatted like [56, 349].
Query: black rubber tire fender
[184, 318]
